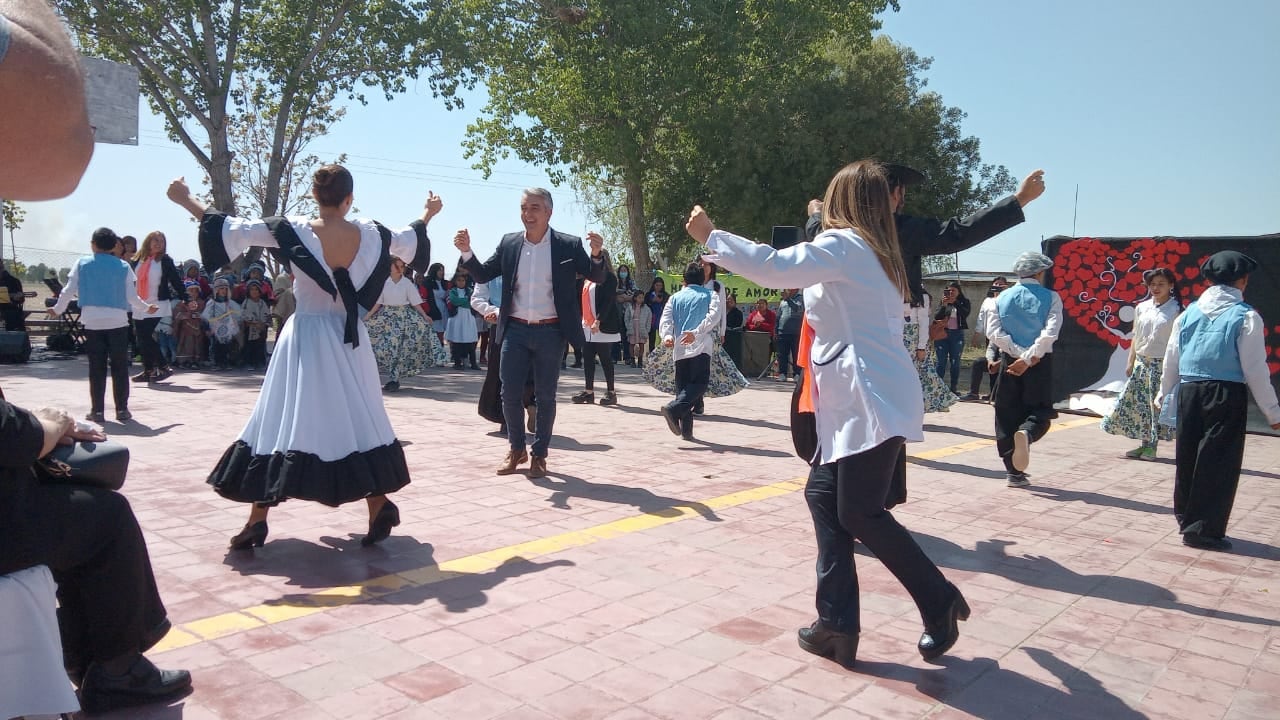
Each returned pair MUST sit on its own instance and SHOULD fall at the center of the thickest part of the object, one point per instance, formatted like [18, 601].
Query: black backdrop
[1100, 280]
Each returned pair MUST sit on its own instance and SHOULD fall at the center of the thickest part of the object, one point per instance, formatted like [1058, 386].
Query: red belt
[522, 321]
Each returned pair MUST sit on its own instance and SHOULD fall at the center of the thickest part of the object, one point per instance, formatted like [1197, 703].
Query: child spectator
[460, 329]
[285, 302]
[222, 315]
[254, 315]
[188, 327]
[639, 323]
[165, 332]
[191, 273]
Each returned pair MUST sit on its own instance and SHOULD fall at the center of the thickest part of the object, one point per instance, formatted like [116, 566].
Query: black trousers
[1210, 448]
[978, 371]
[255, 352]
[603, 351]
[108, 602]
[461, 352]
[1022, 402]
[108, 348]
[692, 377]
[147, 345]
[14, 318]
[847, 501]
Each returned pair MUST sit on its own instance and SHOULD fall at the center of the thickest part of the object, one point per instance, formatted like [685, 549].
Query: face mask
[623, 274]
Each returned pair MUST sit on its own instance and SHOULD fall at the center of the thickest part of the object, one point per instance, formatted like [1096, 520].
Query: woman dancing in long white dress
[319, 430]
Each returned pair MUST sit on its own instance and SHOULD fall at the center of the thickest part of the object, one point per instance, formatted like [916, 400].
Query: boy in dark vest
[1216, 355]
[107, 290]
[1023, 329]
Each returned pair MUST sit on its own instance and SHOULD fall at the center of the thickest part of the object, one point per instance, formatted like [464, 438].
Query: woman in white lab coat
[865, 396]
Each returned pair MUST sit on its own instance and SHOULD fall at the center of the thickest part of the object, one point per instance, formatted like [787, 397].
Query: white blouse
[1152, 326]
[596, 336]
[920, 317]
[395, 294]
[867, 390]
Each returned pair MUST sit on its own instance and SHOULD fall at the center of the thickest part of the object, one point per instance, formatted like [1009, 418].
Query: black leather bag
[95, 464]
[804, 428]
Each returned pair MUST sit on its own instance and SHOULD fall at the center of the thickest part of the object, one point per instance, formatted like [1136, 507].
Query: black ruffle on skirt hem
[245, 477]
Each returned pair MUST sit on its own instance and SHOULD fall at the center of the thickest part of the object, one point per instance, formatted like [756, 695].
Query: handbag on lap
[94, 464]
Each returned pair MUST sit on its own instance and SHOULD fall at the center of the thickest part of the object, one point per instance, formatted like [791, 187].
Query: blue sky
[1163, 112]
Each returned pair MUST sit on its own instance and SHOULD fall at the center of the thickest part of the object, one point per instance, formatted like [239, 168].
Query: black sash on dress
[294, 253]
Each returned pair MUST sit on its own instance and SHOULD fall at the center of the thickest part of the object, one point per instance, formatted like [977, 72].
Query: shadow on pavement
[1092, 498]
[564, 487]
[949, 430]
[989, 556]
[956, 468]
[981, 688]
[704, 445]
[133, 428]
[342, 562]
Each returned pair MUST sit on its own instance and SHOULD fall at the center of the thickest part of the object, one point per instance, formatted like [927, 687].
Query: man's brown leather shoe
[511, 463]
[538, 467]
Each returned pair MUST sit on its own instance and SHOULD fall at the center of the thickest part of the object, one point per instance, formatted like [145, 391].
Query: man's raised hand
[1031, 188]
[699, 225]
[462, 241]
[596, 242]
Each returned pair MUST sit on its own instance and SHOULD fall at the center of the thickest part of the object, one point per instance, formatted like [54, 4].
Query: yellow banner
[746, 291]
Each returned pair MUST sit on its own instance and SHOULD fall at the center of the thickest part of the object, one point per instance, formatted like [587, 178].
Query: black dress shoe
[250, 537]
[1201, 542]
[837, 646]
[143, 684]
[380, 527]
[941, 632]
[672, 423]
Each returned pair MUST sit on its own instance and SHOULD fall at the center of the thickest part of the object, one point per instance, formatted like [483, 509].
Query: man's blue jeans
[530, 350]
[787, 346]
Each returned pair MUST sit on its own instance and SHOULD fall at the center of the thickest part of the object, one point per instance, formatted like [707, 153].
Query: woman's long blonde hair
[144, 252]
[858, 199]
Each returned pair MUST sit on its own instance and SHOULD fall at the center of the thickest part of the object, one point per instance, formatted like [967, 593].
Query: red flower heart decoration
[1096, 279]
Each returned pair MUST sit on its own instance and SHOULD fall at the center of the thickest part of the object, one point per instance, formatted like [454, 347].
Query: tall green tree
[760, 163]
[610, 89]
[203, 62]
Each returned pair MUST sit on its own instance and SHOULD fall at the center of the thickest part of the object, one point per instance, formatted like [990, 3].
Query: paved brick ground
[654, 578]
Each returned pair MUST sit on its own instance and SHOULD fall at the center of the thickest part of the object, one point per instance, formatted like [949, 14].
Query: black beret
[1228, 266]
[903, 175]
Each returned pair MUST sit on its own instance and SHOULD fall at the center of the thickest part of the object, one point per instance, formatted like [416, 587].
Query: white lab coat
[866, 388]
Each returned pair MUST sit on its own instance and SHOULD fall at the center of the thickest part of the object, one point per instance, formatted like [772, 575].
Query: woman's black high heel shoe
[837, 646]
[941, 633]
[380, 527]
[252, 536]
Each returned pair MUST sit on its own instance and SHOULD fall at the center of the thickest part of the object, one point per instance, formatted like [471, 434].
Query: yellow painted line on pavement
[298, 606]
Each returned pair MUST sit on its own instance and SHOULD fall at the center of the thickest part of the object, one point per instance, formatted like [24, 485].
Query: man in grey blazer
[540, 312]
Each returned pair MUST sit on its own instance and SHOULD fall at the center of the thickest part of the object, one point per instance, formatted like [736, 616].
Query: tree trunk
[636, 226]
[224, 198]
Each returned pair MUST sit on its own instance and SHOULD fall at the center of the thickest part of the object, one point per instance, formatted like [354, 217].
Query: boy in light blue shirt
[1023, 328]
[687, 322]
